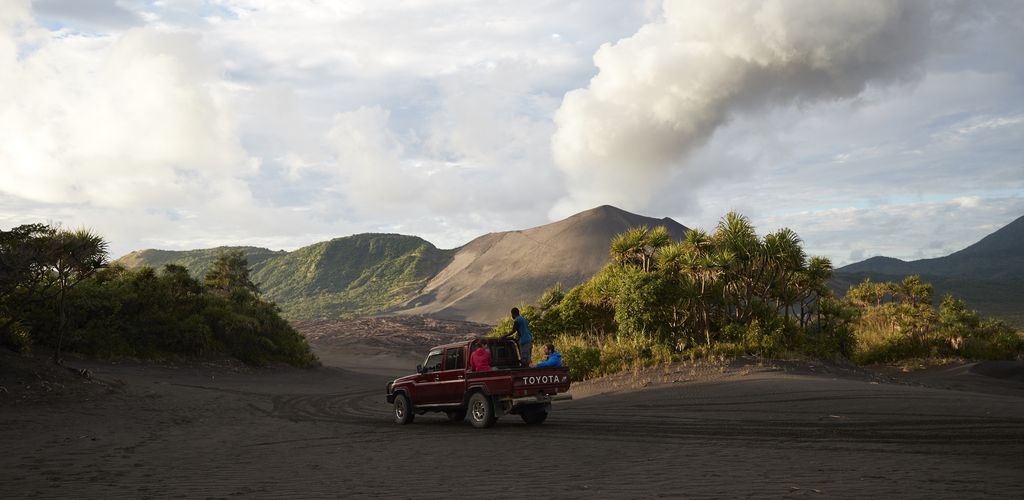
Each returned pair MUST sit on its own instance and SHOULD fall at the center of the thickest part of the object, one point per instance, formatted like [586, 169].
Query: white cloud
[661, 94]
[967, 201]
[136, 119]
[369, 160]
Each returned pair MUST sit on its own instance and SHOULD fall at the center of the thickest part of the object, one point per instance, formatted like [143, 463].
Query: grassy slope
[352, 276]
[196, 261]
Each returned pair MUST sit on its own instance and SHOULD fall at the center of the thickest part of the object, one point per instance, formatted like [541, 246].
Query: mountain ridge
[496, 271]
[998, 255]
[987, 274]
[382, 273]
[378, 273]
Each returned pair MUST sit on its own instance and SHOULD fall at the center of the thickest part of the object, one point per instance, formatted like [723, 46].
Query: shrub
[16, 336]
[580, 355]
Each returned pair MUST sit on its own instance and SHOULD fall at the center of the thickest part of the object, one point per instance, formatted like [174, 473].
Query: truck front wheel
[534, 417]
[481, 411]
[403, 409]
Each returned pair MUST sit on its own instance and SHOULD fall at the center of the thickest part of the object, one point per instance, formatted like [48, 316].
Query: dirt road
[222, 432]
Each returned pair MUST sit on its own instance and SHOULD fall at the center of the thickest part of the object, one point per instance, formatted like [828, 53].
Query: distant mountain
[496, 271]
[997, 256]
[989, 274]
[369, 274]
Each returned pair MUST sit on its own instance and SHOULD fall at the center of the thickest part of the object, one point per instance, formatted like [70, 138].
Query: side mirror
[419, 368]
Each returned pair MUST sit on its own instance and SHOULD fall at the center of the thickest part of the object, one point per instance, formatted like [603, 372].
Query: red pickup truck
[445, 383]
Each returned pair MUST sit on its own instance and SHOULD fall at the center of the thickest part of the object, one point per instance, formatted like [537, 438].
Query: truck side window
[453, 359]
[433, 362]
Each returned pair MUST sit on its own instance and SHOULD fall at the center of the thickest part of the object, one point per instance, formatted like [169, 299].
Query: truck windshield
[433, 362]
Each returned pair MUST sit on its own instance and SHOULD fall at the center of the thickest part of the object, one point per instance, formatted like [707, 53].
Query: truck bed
[518, 382]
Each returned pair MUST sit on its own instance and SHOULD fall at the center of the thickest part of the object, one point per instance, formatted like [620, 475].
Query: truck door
[428, 386]
[452, 384]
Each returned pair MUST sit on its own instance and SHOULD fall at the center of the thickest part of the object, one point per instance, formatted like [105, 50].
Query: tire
[403, 410]
[534, 417]
[456, 415]
[481, 411]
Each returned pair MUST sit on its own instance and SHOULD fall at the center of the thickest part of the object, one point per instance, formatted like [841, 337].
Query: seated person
[480, 360]
[554, 358]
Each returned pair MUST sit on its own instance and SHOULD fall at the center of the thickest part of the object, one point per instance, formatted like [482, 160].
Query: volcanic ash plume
[664, 91]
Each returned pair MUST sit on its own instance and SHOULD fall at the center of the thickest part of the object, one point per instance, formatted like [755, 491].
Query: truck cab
[444, 383]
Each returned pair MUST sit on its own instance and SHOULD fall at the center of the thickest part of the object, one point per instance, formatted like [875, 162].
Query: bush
[17, 337]
[888, 350]
[579, 355]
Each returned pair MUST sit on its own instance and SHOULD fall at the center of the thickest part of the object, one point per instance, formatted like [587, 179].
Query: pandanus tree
[75, 255]
[915, 307]
[639, 246]
[700, 267]
[739, 249]
[781, 259]
[710, 271]
[812, 287]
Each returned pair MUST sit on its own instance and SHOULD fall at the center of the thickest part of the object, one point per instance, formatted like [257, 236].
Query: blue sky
[870, 128]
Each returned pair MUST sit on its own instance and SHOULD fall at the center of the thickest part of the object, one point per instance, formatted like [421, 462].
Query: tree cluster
[732, 292]
[897, 321]
[729, 290]
[57, 291]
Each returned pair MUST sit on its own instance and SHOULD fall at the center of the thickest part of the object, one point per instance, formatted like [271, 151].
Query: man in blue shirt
[554, 358]
[525, 337]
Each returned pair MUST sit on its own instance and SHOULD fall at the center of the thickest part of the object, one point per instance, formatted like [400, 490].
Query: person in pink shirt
[480, 360]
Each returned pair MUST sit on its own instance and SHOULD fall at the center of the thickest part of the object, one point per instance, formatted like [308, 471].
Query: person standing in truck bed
[520, 327]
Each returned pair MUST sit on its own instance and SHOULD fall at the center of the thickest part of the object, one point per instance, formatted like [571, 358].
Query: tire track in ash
[793, 417]
[658, 429]
[358, 405]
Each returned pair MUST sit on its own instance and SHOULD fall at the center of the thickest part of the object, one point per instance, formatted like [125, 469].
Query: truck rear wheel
[534, 417]
[403, 409]
[481, 411]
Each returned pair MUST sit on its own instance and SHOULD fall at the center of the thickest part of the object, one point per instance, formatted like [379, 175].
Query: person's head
[515, 312]
[480, 344]
[549, 348]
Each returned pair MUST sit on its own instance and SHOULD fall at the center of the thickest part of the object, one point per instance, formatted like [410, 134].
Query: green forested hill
[351, 276]
[196, 261]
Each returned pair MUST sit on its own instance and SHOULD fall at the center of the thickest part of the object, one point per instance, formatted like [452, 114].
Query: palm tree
[699, 267]
[657, 239]
[627, 247]
[819, 272]
[782, 258]
[739, 247]
[639, 246]
[76, 256]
